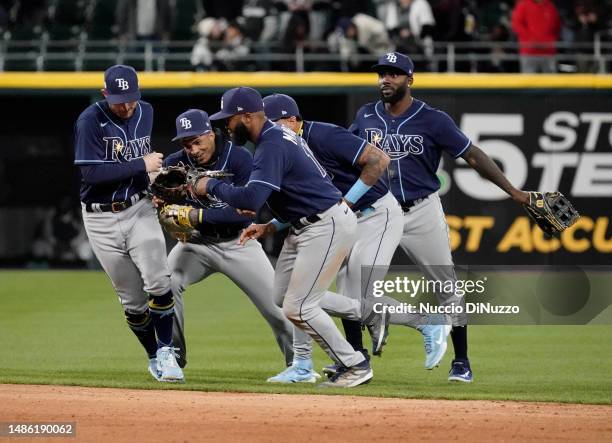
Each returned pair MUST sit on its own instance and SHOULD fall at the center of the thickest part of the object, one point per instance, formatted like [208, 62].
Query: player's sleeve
[268, 167]
[227, 215]
[346, 147]
[266, 177]
[241, 165]
[250, 197]
[90, 157]
[88, 148]
[173, 159]
[449, 137]
[354, 127]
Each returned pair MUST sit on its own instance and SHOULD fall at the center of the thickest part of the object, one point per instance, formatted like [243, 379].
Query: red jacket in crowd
[537, 25]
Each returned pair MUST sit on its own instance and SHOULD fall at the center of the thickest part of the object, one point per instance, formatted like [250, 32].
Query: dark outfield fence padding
[546, 132]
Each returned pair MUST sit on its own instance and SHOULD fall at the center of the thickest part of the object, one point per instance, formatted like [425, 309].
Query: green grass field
[67, 328]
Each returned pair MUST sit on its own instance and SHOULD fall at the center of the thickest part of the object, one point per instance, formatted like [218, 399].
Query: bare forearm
[373, 162]
[487, 168]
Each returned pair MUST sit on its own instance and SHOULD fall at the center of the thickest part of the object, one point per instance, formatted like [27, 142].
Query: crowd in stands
[228, 35]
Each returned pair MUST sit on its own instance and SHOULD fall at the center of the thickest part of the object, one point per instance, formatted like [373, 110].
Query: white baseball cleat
[168, 368]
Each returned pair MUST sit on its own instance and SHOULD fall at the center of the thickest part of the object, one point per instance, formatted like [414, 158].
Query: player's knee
[161, 304]
[291, 311]
[176, 284]
[137, 321]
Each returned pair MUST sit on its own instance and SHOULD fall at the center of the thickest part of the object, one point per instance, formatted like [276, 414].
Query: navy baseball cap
[238, 101]
[277, 106]
[121, 83]
[192, 123]
[395, 60]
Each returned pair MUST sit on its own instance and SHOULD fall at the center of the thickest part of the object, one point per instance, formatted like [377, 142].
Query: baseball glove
[169, 185]
[195, 174]
[551, 211]
[174, 219]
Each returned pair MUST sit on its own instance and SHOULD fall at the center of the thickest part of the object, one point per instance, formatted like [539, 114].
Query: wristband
[357, 191]
[279, 225]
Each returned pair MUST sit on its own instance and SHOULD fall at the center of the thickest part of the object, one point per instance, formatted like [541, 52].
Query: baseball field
[66, 328]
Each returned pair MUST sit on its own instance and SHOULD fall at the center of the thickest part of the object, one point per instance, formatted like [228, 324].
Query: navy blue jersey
[109, 152]
[338, 151]
[414, 141]
[230, 158]
[286, 175]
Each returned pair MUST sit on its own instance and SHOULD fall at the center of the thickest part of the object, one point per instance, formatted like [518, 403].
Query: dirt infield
[118, 415]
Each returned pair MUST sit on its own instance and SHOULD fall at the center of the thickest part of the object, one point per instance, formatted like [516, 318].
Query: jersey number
[289, 135]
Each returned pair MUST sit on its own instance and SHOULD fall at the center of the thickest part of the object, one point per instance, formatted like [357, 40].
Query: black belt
[411, 203]
[115, 206]
[307, 221]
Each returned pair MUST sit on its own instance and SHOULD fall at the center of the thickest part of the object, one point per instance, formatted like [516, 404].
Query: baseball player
[113, 152]
[214, 247]
[414, 135]
[356, 168]
[299, 192]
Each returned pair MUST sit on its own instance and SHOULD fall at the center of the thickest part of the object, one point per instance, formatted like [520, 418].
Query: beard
[240, 134]
[392, 99]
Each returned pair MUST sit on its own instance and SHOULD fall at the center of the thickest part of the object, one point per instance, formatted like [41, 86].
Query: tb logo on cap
[391, 57]
[185, 123]
[122, 84]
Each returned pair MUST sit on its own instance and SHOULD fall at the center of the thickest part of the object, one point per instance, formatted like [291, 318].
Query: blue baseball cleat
[434, 340]
[300, 371]
[461, 371]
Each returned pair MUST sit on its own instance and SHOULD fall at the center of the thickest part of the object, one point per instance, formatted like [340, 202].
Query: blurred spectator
[219, 47]
[493, 26]
[211, 34]
[414, 34]
[233, 48]
[589, 21]
[387, 12]
[345, 41]
[363, 34]
[536, 24]
[260, 20]
[144, 19]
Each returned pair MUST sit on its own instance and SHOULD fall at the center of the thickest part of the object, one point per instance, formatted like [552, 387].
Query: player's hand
[521, 197]
[153, 161]
[256, 231]
[198, 189]
[246, 212]
[157, 202]
[348, 203]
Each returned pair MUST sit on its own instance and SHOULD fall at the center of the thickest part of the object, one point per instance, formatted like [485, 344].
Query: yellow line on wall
[187, 80]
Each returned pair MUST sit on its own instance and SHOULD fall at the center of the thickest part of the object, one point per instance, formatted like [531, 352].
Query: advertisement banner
[542, 141]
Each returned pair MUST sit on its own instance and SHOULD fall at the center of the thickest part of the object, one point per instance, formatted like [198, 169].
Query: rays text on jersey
[395, 146]
[116, 150]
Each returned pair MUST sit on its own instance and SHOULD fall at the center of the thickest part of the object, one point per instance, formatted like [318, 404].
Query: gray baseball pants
[306, 267]
[131, 248]
[247, 266]
[426, 242]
